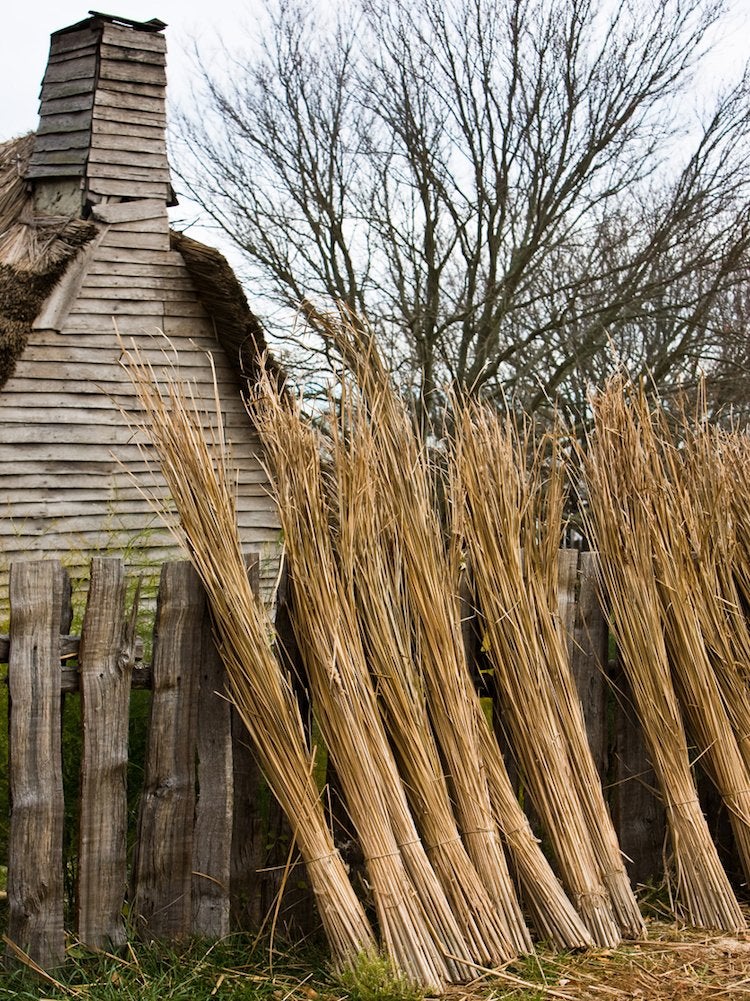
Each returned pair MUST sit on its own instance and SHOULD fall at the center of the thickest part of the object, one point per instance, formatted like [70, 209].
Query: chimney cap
[153, 25]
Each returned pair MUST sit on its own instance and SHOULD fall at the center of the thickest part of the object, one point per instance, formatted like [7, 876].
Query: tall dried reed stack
[369, 556]
[417, 925]
[690, 602]
[618, 477]
[493, 498]
[434, 608]
[708, 479]
[195, 463]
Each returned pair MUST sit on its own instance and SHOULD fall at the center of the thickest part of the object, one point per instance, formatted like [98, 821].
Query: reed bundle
[623, 486]
[495, 504]
[196, 466]
[368, 549]
[693, 614]
[432, 602]
[417, 925]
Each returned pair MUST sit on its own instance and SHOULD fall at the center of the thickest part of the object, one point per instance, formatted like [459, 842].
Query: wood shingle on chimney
[102, 127]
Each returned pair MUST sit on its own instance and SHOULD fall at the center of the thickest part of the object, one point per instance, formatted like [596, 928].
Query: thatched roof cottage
[84, 238]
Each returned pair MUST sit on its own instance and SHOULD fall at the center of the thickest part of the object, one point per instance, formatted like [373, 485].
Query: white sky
[24, 46]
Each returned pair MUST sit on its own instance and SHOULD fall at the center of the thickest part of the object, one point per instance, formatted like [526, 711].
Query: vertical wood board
[162, 902]
[35, 871]
[105, 674]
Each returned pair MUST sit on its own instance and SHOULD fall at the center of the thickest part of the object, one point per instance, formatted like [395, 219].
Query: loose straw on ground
[417, 925]
[492, 496]
[195, 464]
[618, 478]
[434, 607]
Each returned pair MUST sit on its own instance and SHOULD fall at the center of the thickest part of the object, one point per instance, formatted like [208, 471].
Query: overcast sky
[24, 43]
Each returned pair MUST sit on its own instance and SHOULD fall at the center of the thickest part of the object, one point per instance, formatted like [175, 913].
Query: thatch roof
[237, 328]
[35, 251]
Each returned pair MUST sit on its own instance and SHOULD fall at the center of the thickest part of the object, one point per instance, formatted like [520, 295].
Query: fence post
[589, 658]
[212, 837]
[105, 670]
[162, 868]
[35, 870]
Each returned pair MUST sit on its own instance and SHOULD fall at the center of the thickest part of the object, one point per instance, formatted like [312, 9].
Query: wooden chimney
[102, 128]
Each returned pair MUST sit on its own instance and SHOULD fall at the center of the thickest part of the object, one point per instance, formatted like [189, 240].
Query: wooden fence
[211, 844]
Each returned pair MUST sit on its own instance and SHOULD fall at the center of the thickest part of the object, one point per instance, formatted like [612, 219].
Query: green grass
[229, 969]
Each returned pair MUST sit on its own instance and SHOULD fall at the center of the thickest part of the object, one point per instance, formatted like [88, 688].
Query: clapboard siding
[72, 473]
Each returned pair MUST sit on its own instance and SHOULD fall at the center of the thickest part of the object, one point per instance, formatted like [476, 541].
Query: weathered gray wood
[212, 840]
[73, 40]
[153, 57]
[162, 867]
[132, 70]
[113, 34]
[35, 863]
[122, 101]
[105, 667]
[82, 67]
[59, 302]
[118, 212]
[63, 122]
[567, 587]
[637, 810]
[589, 656]
[129, 158]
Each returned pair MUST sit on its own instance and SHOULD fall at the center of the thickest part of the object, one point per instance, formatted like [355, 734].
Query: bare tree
[514, 192]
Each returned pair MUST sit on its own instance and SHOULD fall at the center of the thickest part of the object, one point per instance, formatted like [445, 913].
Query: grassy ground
[672, 963]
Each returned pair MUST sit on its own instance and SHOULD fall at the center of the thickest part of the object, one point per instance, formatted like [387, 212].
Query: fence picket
[104, 677]
[212, 836]
[35, 875]
[162, 885]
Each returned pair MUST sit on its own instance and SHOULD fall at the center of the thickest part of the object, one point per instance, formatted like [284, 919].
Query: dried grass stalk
[620, 483]
[371, 563]
[434, 607]
[492, 495]
[418, 927]
[689, 602]
[195, 463]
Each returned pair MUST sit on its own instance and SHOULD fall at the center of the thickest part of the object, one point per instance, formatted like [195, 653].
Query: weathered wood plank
[212, 840]
[58, 303]
[105, 668]
[156, 239]
[177, 284]
[35, 862]
[82, 67]
[56, 124]
[108, 125]
[129, 212]
[134, 158]
[71, 41]
[64, 88]
[66, 105]
[589, 656]
[76, 52]
[153, 57]
[123, 101]
[113, 34]
[163, 863]
[60, 158]
[123, 172]
[138, 71]
[637, 810]
[68, 140]
[567, 585]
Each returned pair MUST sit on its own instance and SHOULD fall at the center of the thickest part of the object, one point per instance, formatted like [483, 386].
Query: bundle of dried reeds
[432, 602]
[692, 612]
[368, 550]
[494, 501]
[196, 466]
[622, 486]
[417, 925]
[711, 481]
